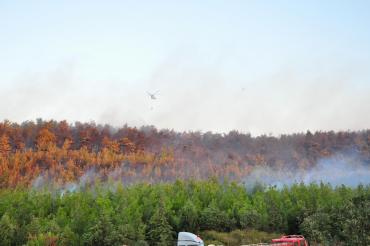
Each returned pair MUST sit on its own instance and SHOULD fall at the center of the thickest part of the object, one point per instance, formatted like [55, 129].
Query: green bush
[144, 214]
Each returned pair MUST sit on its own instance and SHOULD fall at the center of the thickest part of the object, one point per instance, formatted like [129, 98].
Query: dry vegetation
[62, 152]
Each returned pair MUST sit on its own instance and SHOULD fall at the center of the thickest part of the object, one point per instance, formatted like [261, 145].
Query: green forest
[153, 214]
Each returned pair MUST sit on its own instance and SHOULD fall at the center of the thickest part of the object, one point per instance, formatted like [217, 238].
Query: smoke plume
[339, 169]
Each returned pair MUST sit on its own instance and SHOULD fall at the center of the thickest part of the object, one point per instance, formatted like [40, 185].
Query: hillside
[62, 152]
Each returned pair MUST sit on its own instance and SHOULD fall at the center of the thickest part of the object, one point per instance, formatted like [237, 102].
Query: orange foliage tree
[64, 152]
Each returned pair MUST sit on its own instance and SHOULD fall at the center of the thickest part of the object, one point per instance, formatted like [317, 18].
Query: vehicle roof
[187, 236]
[289, 238]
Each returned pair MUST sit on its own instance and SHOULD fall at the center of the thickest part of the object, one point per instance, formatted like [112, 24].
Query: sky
[259, 67]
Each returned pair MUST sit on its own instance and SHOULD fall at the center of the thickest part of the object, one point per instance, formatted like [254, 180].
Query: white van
[189, 239]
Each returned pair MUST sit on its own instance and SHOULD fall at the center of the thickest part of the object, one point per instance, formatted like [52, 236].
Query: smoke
[349, 171]
[267, 103]
[87, 181]
[39, 182]
[340, 169]
[217, 71]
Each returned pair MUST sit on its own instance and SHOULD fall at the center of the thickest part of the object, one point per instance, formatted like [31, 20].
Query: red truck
[289, 240]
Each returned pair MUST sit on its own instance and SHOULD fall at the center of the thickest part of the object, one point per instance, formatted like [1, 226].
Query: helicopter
[153, 95]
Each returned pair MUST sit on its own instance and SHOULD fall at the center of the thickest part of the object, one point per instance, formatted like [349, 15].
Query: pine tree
[160, 231]
[102, 233]
[45, 139]
[5, 147]
[8, 230]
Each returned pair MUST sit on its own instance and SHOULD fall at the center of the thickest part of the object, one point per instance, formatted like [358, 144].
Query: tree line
[63, 152]
[152, 214]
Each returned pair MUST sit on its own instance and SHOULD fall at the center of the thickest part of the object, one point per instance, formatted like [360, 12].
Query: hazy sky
[254, 66]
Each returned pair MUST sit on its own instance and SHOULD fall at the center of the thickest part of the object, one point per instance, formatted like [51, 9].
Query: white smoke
[340, 169]
[348, 169]
[39, 182]
[88, 179]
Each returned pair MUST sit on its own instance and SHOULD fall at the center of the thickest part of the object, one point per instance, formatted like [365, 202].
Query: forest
[152, 214]
[62, 152]
[88, 184]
